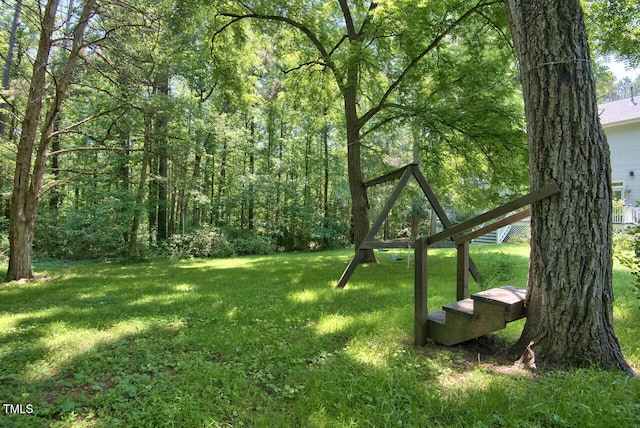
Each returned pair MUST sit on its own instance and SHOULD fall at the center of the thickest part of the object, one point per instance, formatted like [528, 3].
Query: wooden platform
[484, 313]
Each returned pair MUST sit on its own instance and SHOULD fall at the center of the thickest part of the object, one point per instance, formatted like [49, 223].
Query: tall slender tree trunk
[27, 190]
[222, 183]
[152, 200]
[162, 122]
[22, 214]
[349, 87]
[325, 187]
[137, 212]
[252, 170]
[6, 74]
[197, 165]
[570, 293]
[173, 207]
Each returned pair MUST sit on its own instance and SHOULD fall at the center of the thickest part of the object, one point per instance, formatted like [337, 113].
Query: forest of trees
[209, 128]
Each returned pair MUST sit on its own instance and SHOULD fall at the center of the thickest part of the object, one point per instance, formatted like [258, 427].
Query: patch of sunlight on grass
[90, 296]
[622, 312]
[304, 296]
[164, 298]
[232, 313]
[332, 324]
[143, 301]
[10, 323]
[459, 384]
[231, 263]
[184, 287]
[65, 343]
[370, 353]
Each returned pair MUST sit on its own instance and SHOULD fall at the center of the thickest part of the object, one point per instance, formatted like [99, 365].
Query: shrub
[205, 242]
[627, 250]
[250, 243]
[500, 268]
[85, 232]
[208, 241]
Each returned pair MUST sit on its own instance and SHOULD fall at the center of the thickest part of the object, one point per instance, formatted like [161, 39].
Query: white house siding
[624, 142]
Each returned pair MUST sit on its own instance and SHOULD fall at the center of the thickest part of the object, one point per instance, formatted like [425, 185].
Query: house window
[618, 190]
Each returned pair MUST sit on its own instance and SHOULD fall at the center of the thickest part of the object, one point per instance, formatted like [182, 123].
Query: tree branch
[83, 121]
[434, 43]
[300, 66]
[379, 125]
[326, 55]
[348, 19]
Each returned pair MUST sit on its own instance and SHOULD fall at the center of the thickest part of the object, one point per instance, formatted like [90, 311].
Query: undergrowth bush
[208, 241]
[627, 251]
[249, 242]
[501, 270]
[88, 232]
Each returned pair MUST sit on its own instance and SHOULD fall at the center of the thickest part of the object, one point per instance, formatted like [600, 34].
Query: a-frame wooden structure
[404, 174]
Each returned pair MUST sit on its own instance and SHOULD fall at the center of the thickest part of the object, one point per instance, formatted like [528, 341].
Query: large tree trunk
[359, 206]
[27, 190]
[570, 298]
[22, 214]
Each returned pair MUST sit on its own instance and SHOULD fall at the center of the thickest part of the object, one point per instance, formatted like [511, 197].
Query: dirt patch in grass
[487, 352]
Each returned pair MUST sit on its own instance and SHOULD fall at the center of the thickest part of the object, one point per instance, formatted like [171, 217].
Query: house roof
[618, 112]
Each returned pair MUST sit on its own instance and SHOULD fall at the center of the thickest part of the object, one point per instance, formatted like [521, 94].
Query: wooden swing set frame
[404, 174]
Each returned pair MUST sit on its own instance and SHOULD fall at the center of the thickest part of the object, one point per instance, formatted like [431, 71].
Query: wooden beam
[394, 175]
[494, 226]
[374, 228]
[420, 296]
[386, 244]
[442, 215]
[351, 267]
[431, 197]
[544, 192]
[462, 289]
[387, 207]
[373, 245]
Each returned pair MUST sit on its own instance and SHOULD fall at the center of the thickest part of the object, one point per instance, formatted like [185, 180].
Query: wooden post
[462, 291]
[406, 175]
[420, 293]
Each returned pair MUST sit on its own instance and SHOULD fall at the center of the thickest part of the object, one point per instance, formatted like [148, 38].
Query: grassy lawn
[268, 342]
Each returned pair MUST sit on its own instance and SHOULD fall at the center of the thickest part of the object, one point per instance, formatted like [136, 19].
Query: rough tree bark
[28, 181]
[353, 127]
[22, 214]
[570, 295]
[6, 74]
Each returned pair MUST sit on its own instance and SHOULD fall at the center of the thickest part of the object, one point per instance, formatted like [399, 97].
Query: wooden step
[510, 297]
[461, 321]
[461, 307]
[484, 313]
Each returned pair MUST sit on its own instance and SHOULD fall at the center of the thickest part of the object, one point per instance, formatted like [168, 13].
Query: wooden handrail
[462, 245]
[420, 316]
[494, 226]
[538, 195]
